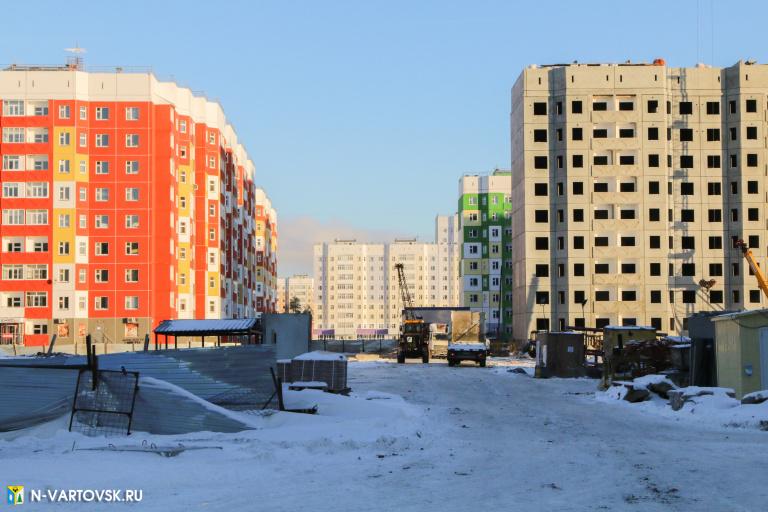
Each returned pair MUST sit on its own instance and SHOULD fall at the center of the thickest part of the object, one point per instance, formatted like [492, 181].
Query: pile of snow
[705, 405]
[320, 355]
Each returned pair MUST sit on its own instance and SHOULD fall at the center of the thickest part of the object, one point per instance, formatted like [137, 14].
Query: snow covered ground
[422, 437]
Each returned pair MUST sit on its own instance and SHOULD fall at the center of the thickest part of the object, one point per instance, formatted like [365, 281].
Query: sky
[361, 116]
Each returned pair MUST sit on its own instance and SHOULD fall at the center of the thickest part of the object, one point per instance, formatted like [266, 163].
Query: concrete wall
[291, 333]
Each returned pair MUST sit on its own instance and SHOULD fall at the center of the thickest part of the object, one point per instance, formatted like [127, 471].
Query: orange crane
[761, 281]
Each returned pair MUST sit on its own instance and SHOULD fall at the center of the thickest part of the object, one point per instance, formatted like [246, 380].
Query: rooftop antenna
[74, 60]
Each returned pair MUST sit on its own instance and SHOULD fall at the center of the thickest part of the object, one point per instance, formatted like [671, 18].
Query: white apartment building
[301, 287]
[630, 183]
[449, 251]
[356, 287]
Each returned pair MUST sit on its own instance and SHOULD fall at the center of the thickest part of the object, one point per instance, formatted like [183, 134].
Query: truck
[414, 331]
[467, 340]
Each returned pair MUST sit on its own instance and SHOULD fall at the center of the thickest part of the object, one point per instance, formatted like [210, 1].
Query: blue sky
[362, 115]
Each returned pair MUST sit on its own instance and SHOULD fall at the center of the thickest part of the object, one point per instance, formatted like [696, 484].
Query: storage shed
[741, 341]
[560, 354]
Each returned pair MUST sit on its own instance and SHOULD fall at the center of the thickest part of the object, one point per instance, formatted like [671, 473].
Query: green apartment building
[485, 238]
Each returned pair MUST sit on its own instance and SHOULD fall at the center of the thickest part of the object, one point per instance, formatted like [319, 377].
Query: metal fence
[382, 347]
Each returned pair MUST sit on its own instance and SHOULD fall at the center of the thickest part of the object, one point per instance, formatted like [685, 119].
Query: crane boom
[761, 281]
[405, 295]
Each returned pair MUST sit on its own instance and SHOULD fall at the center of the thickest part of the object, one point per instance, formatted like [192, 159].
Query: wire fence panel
[106, 408]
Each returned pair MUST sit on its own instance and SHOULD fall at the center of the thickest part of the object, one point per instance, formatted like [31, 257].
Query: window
[12, 162]
[715, 269]
[653, 133]
[541, 216]
[578, 161]
[686, 188]
[602, 296]
[751, 160]
[578, 242]
[714, 215]
[539, 108]
[653, 106]
[64, 111]
[102, 140]
[131, 194]
[655, 269]
[37, 217]
[102, 248]
[628, 295]
[627, 241]
[626, 214]
[686, 134]
[13, 108]
[751, 105]
[102, 113]
[64, 138]
[713, 161]
[102, 194]
[578, 188]
[578, 269]
[539, 189]
[131, 221]
[102, 167]
[654, 215]
[601, 241]
[542, 243]
[655, 296]
[600, 160]
[540, 135]
[689, 296]
[753, 214]
[602, 268]
[131, 302]
[752, 187]
[578, 215]
[686, 108]
[752, 132]
[13, 217]
[64, 166]
[101, 303]
[132, 248]
[713, 108]
[83, 139]
[131, 140]
[626, 159]
[716, 296]
[101, 221]
[132, 167]
[101, 275]
[37, 299]
[715, 242]
[577, 134]
[539, 162]
[686, 161]
[63, 248]
[688, 242]
[654, 242]
[713, 134]
[64, 220]
[13, 135]
[83, 113]
[626, 105]
[599, 106]
[734, 161]
[132, 114]
[576, 107]
[687, 216]
[600, 133]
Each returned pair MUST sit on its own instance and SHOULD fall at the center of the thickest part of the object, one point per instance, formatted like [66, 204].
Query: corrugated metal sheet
[203, 326]
[232, 377]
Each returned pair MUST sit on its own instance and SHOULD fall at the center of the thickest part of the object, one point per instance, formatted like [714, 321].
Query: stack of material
[321, 366]
[284, 370]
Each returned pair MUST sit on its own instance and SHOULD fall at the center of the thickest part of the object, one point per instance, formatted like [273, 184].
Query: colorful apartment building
[485, 237]
[125, 201]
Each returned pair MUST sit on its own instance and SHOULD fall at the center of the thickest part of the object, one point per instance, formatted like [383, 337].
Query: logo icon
[15, 494]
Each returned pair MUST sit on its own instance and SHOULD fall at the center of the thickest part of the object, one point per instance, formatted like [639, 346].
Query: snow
[319, 355]
[418, 437]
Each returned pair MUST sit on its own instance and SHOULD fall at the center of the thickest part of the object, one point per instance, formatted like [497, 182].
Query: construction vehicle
[752, 262]
[414, 331]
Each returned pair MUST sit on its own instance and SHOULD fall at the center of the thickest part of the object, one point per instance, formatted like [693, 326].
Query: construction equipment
[761, 282]
[414, 331]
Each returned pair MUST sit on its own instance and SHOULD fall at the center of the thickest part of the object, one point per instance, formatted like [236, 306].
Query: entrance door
[764, 358]
[10, 334]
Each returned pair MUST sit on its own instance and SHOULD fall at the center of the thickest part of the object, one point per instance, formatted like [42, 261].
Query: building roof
[740, 314]
[207, 327]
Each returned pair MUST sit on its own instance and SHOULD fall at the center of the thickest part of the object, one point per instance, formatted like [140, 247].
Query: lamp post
[583, 317]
